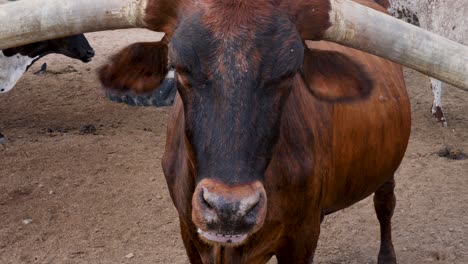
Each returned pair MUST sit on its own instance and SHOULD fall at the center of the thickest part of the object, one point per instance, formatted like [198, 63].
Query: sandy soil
[71, 197]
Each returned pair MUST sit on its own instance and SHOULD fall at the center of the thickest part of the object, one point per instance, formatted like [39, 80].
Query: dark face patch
[233, 86]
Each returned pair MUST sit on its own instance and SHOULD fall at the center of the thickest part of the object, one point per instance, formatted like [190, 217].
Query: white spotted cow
[14, 62]
[448, 18]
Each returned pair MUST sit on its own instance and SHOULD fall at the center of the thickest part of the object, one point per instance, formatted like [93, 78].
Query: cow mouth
[221, 238]
[85, 60]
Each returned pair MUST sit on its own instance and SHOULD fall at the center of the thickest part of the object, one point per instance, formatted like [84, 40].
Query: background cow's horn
[371, 31]
[29, 21]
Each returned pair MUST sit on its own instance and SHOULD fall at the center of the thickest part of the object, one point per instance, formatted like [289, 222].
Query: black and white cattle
[14, 62]
[447, 18]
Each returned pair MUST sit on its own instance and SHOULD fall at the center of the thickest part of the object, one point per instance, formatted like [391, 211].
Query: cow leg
[301, 248]
[384, 203]
[437, 112]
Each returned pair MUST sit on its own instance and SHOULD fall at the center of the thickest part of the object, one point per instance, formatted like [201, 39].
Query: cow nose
[90, 53]
[228, 214]
[231, 207]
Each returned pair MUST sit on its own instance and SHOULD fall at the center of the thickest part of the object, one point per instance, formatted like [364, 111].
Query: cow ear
[140, 67]
[333, 76]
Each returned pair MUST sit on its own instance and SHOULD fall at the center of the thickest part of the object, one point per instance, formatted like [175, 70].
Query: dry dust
[101, 197]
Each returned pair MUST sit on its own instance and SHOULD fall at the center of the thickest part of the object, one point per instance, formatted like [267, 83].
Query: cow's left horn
[48, 19]
[371, 31]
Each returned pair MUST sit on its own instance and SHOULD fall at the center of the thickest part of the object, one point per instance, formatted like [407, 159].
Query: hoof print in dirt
[88, 129]
[452, 153]
[163, 96]
[61, 130]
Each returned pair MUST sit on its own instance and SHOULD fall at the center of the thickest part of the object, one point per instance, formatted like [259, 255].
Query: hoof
[387, 255]
[438, 114]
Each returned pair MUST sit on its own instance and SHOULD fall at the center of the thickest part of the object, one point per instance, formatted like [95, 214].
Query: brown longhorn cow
[254, 177]
[268, 135]
[258, 149]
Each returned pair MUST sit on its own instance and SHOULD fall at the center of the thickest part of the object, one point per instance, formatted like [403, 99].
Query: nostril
[249, 204]
[90, 53]
[205, 199]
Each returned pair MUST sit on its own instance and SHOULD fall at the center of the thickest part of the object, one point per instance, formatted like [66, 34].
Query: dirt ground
[69, 197]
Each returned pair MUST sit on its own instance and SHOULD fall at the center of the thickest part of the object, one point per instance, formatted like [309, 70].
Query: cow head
[76, 47]
[233, 81]
[236, 63]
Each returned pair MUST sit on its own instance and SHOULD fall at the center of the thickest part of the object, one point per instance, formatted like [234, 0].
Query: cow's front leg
[299, 246]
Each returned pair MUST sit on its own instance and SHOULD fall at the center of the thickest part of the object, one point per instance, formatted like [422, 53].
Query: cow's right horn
[371, 31]
[49, 19]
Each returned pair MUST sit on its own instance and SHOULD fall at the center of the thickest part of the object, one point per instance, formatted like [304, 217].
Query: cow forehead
[274, 45]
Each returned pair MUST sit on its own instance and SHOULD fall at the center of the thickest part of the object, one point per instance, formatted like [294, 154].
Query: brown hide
[329, 156]
[369, 137]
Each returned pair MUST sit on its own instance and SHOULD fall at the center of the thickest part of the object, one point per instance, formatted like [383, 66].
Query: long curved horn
[366, 29]
[49, 19]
